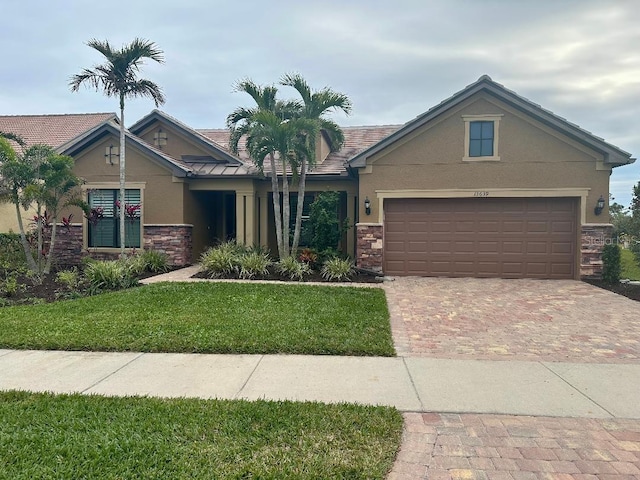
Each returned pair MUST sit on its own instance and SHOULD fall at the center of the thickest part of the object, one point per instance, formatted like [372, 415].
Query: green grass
[209, 318]
[630, 268]
[74, 436]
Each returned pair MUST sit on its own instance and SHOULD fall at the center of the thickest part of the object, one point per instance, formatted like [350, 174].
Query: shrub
[135, 264]
[323, 229]
[11, 252]
[217, 262]
[308, 256]
[293, 269]
[109, 275]
[155, 261]
[69, 278]
[338, 270]
[252, 264]
[10, 286]
[611, 266]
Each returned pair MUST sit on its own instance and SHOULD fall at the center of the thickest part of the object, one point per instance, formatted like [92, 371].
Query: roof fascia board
[612, 154]
[157, 115]
[105, 128]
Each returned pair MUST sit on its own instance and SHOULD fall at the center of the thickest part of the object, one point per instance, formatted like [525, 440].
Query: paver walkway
[497, 319]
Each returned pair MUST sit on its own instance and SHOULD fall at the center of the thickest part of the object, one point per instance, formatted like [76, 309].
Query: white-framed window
[481, 137]
[103, 221]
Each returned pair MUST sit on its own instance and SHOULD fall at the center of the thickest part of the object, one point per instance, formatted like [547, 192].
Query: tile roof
[356, 139]
[52, 130]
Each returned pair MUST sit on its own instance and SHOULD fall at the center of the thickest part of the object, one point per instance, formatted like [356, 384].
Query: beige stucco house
[486, 184]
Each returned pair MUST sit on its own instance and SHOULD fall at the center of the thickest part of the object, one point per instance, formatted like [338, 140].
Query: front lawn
[209, 317]
[630, 268]
[75, 436]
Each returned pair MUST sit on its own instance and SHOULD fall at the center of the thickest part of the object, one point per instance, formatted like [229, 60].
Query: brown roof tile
[52, 130]
[356, 139]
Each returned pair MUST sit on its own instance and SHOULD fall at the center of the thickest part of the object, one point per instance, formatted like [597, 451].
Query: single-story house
[486, 183]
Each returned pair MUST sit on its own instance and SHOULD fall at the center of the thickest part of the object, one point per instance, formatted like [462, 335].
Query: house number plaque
[480, 194]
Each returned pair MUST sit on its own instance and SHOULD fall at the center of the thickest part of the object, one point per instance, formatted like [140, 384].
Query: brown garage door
[481, 237]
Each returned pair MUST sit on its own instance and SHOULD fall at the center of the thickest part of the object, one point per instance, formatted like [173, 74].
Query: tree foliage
[285, 133]
[43, 179]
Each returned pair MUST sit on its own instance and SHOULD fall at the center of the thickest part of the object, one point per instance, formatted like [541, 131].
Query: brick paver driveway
[534, 320]
[497, 319]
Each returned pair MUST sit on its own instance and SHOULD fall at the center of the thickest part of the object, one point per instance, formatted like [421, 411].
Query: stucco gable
[157, 119]
[610, 153]
[89, 138]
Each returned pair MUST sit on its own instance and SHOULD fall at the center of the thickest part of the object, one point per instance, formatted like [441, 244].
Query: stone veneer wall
[369, 246]
[174, 240]
[594, 238]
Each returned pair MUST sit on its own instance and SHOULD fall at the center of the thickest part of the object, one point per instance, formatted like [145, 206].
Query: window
[104, 225]
[481, 137]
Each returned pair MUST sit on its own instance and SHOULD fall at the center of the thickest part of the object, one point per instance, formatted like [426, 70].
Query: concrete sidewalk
[410, 384]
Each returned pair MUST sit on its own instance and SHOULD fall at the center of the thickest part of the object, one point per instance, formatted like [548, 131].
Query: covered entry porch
[242, 210]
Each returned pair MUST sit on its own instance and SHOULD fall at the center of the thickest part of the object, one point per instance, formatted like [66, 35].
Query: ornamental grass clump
[155, 261]
[109, 275]
[223, 259]
[253, 264]
[293, 269]
[338, 270]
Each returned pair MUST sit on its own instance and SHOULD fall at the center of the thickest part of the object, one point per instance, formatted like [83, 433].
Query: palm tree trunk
[39, 228]
[23, 240]
[277, 215]
[286, 209]
[122, 178]
[52, 243]
[302, 185]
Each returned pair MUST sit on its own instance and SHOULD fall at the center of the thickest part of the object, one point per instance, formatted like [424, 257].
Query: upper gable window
[481, 137]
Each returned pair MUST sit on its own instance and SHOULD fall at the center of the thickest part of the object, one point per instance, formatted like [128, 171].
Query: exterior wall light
[599, 206]
[367, 206]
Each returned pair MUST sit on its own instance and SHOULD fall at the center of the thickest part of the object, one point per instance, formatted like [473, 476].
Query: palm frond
[12, 136]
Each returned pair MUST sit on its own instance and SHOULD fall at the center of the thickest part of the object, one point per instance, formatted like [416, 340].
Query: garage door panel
[562, 248]
[523, 237]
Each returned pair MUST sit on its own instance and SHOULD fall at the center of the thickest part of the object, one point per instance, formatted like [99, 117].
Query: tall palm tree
[315, 106]
[270, 130]
[117, 77]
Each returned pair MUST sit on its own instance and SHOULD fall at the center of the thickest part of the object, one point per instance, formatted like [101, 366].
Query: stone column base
[174, 240]
[594, 238]
[369, 246]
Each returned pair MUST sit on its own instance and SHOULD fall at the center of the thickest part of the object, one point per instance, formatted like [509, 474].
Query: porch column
[351, 215]
[245, 217]
[264, 218]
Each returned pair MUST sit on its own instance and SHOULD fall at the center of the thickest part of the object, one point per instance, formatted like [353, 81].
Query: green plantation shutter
[102, 234]
[131, 227]
[107, 232]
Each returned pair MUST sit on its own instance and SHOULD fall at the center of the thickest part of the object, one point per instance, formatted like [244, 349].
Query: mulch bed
[625, 289]
[361, 276]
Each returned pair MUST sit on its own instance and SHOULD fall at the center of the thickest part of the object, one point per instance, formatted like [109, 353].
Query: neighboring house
[486, 183]
[51, 130]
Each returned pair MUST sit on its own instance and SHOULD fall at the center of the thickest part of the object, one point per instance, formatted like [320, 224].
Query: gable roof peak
[485, 77]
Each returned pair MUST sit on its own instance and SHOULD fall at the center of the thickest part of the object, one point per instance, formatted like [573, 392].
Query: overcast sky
[394, 58]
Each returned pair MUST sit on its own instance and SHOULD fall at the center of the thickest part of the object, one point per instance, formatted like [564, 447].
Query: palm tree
[315, 105]
[117, 77]
[270, 130]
